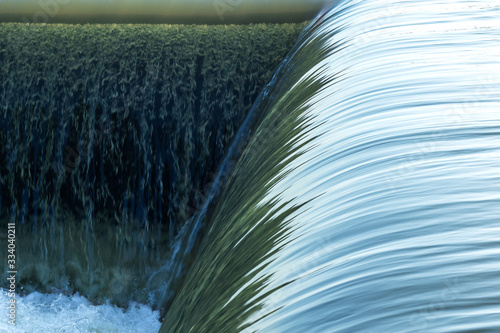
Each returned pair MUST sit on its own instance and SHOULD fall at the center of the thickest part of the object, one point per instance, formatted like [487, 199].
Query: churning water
[368, 197]
[75, 314]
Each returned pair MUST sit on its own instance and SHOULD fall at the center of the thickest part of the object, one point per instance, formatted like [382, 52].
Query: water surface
[368, 199]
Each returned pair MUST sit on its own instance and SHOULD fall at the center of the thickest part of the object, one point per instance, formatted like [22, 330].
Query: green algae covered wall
[108, 137]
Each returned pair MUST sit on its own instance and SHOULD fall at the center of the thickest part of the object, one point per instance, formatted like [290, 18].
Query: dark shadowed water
[110, 139]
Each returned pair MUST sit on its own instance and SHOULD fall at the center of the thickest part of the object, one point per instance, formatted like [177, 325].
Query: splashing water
[75, 314]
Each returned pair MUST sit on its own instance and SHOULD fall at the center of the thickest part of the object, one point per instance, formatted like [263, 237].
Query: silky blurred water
[372, 203]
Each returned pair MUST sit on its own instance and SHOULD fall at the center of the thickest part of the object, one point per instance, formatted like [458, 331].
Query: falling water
[110, 136]
[368, 198]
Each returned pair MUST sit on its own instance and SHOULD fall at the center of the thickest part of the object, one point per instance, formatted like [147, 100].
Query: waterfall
[367, 199]
[110, 137]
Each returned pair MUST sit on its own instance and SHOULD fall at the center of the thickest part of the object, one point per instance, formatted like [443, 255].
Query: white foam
[60, 313]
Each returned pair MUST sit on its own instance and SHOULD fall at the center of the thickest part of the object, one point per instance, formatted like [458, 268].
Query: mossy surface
[108, 136]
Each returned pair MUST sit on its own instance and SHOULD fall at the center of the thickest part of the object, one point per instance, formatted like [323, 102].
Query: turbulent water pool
[75, 314]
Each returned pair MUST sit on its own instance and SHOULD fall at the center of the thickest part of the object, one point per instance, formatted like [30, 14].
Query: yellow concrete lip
[157, 11]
